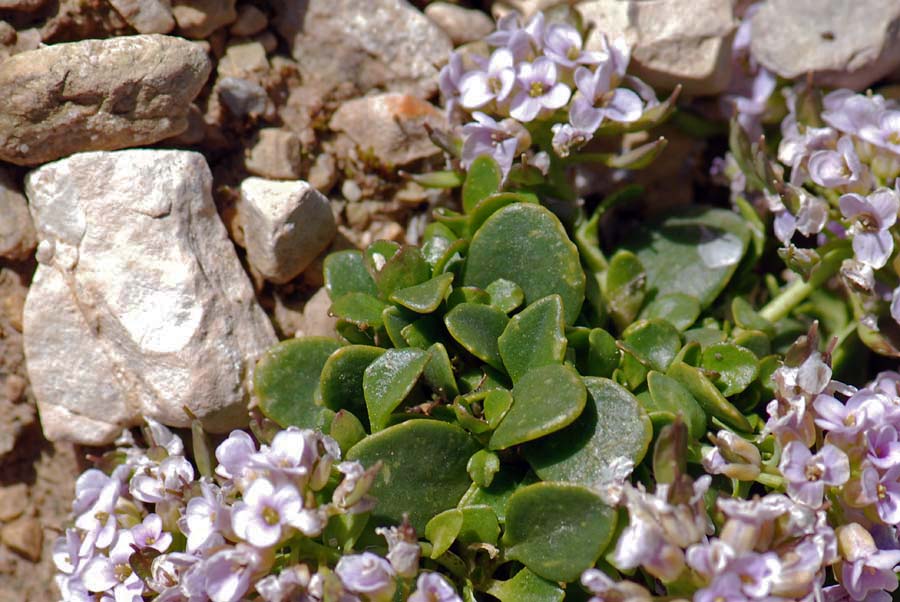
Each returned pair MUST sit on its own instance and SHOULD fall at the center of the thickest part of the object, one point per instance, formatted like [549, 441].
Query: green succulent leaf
[480, 526]
[526, 244]
[491, 205]
[388, 380]
[442, 530]
[526, 587]
[405, 269]
[482, 180]
[505, 295]
[341, 379]
[612, 426]
[435, 242]
[603, 354]
[424, 298]
[345, 272]
[624, 287]
[707, 395]
[423, 471]
[534, 337]
[347, 430]
[557, 530]
[439, 373]
[736, 367]
[694, 251]
[286, 379]
[678, 309]
[477, 327]
[668, 398]
[545, 400]
[482, 467]
[360, 309]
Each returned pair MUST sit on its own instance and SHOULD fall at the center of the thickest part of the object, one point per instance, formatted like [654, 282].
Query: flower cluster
[528, 79]
[836, 180]
[152, 530]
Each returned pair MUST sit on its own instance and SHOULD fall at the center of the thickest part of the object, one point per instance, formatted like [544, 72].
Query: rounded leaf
[477, 327]
[534, 337]
[736, 367]
[680, 310]
[388, 380]
[527, 244]
[341, 381]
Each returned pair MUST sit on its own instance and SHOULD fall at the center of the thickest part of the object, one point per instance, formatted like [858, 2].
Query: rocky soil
[173, 172]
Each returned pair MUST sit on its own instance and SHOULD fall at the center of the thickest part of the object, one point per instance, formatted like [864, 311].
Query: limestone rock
[13, 501]
[463, 25]
[242, 97]
[845, 44]
[250, 21]
[244, 60]
[674, 42]
[317, 321]
[286, 225]
[17, 238]
[140, 305]
[274, 155]
[389, 127]
[146, 16]
[526, 8]
[96, 95]
[198, 18]
[372, 44]
[24, 536]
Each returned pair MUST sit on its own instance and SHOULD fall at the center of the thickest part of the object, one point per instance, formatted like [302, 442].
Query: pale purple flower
[566, 137]
[66, 555]
[539, 90]
[845, 421]
[150, 534]
[798, 142]
[228, 572]
[433, 587]
[287, 585]
[884, 491]
[291, 455]
[887, 133]
[478, 88]
[449, 80]
[755, 572]
[789, 420]
[643, 543]
[850, 112]
[884, 447]
[367, 574]
[403, 548]
[599, 99]
[161, 436]
[167, 574]
[524, 42]
[808, 474]
[233, 454]
[113, 573]
[895, 304]
[726, 588]
[833, 168]
[751, 107]
[206, 519]
[801, 567]
[350, 494]
[564, 46]
[261, 518]
[98, 521]
[872, 218]
[810, 219]
[866, 569]
[604, 588]
[165, 482]
[487, 137]
[710, 558]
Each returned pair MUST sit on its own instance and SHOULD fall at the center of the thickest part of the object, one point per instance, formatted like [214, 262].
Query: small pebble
[24, 536]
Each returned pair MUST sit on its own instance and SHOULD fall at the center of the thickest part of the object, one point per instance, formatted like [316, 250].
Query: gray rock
[372, 44]
[242, 96]
[674, 42]
[317, 320]
[17, 238]
[146, 16]
[274, 155]
[844, 44]
[389, 128]
[139, 306]
[198, 18]
[250, 21]
[96, 95]
[463, 25]
[286, 225]
[244, 60]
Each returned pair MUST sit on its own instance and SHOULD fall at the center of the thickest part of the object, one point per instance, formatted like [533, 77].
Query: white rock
[674, 42]
[286, 225]
[844, 44]
[250, 21]
[146, 16]
[463, 25]
[275, 154]
[140, 305]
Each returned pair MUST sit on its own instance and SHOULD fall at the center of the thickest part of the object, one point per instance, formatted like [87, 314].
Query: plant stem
[786, 300]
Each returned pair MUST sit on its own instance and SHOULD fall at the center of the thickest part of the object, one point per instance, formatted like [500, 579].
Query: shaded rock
[17, 238]
[96, 94]
[146, 16]
[323, 173]
[389, 129]
[13, 501]
[286, 225]
[22, 5]
[463, 25]
[198, 18]
[373, 44]
[673, 42]
[317, 321]
[140, 305]
[250, 21]
[83, 19]
[845, 44]
[13, 42]
[16, 415]
[274, 155]
[244, 60]
[242, 97]
[24, 536]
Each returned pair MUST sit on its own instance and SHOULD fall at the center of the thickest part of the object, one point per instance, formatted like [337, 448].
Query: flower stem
[797, 291]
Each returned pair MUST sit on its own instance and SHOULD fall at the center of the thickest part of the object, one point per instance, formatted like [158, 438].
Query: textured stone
[96, 95]
[24, 536]
[372, 44]
[250, 21]
[22, 5]
[17, 239]
[317, 321]
[13, 501]
[844, 44]
[146, 16]
[674, 42]
[140, 305]
[463, 25]
[244, 60]
[389, 128]
[274, 155]
[242, 97]
[198, 18]
[286, 225]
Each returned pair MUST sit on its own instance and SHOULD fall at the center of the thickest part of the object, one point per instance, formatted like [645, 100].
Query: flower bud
[855, 542]
[368, 575]
[403, 548]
